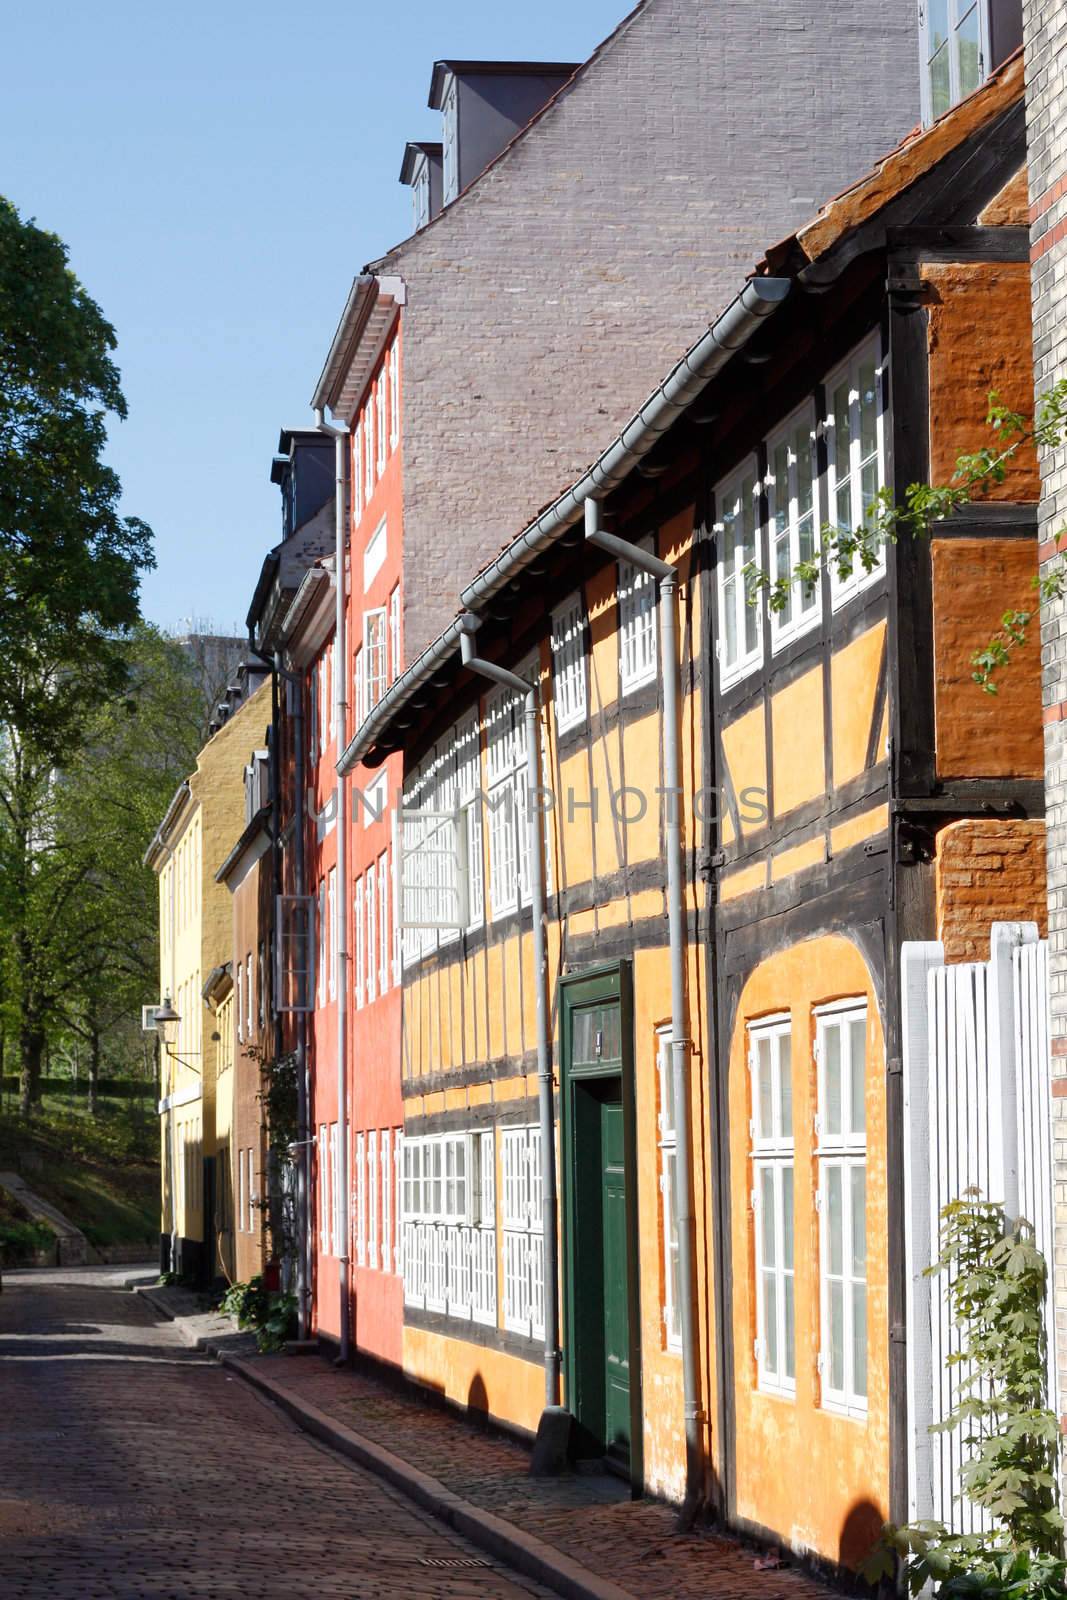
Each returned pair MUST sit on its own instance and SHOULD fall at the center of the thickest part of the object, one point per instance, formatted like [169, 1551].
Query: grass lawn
[102, 1172]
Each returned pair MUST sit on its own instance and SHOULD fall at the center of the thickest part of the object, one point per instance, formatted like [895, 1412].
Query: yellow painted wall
[819, 1480]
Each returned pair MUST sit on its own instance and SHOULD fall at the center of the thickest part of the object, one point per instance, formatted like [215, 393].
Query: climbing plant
[997, 1287]
[839, 549]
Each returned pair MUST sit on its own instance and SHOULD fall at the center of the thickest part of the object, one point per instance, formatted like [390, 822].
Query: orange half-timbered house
[844, 787]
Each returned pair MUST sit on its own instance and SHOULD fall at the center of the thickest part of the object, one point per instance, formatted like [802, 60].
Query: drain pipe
[667, 578]
[340, 908]
[295, 688]
[553, 1438]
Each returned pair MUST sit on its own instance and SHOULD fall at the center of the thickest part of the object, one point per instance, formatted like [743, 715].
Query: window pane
[767, 1221]
[789, 1359]
[785, 1087]
[937, 24]
[748, 512]
[859, 1222]
[831, 1044]
[835, 1221]
[969, 48]
[764, 1111]
[787, 1218]
[729, 610]
[770, 1322]
[842, 442]
[940, 83]
[857, 1039]
[859, 1340]
[837, 1336]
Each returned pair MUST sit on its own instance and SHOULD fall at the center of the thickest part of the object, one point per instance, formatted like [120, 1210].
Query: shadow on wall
[859, 1534]
[478, 1401]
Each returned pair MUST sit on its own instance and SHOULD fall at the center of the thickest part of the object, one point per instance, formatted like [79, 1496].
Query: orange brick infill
[988, 870]
[1055, 713]
[1059, 1047]
[1048, 549]
[1059, 1088]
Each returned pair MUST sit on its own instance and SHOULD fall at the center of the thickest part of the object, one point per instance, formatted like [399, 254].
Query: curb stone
[491, 1533]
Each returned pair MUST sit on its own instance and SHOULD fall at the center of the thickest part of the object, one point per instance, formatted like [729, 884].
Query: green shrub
[271, 1313]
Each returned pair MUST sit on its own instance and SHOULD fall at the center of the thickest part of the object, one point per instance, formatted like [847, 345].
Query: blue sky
[220, 172]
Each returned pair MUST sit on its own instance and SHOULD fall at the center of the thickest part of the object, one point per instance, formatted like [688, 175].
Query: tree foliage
[69, 564]
[997, 1289]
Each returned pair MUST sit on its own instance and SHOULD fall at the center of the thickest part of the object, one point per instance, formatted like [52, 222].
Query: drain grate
[453, 1561]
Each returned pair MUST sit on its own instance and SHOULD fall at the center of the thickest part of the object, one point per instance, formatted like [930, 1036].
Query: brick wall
[547, 302]
[987, 872]
[1045, 33]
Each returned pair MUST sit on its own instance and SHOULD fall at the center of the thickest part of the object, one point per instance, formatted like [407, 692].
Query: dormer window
[420, 194]
[954, 37]
[450, 140]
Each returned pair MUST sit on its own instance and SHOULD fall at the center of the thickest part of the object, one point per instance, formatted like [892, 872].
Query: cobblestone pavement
[591, 1519]
[133, 1469]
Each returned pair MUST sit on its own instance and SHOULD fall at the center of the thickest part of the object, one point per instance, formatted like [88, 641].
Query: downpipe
[468, 625]
[667, 578]
[340, 907]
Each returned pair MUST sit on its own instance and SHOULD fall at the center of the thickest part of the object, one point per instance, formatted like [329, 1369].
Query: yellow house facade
[195, 943]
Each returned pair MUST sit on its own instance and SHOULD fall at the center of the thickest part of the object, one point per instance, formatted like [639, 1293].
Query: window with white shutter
[770, 1066]
[375, 657]
[854, 428]
[483, 1240]
[668, 1184]
[522, 1242]
[841, 1158]
[638, 626]
[372, 1198]
[792, 485]
[252, 1195]
[398, 1209]
[331, 912]
[368, 447]
[242, 1191]
[955, 57]
[322, 942]
[357, 473]
[395, 663]
[294, 951]
[737, 541]
[361, 1200]
[379, 394]
[336, 1196]
[568, 664]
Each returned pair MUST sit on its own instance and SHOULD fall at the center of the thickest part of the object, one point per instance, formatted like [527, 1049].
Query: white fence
[977, 1114]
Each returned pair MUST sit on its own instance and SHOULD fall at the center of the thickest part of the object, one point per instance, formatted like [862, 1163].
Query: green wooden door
[601, 1314]
[614, 1274]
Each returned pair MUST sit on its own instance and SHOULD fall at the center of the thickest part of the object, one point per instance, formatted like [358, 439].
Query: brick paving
[132, 1468]
[590, 1518]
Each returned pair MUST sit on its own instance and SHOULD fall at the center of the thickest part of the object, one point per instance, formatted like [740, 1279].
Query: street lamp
[167, 1017]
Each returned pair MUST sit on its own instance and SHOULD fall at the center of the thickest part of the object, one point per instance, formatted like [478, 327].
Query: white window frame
[383, 922]
[842, 590]
[805, 603]
[371, 898]
[375, 553]
[360, 951]
[372, 1198]
[361, 1200]
[322, 941]
[395, 665]
[242, 1191]
[379, 420]
[450, 142]
[668, 1179]
[398, 1208]
[357, 473]
[521, 1229]
[841, 1149]
[240, 1003]
[394, 374]
[569, 688]
[467, 744]
[957, 12]
[251, 1154]
[324, 1189]
[773, 1170]
[368, 447]
[731, 586]
[332, 912]
[374, 658]
[638, 596]
[420, 193]
[250, 998]
[336, 1198]
[386, 1179]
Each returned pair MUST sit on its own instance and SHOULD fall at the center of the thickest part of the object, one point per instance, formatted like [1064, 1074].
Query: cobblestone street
[132, 1468]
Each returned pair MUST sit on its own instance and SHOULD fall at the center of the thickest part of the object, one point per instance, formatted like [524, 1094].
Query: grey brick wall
[1045, 37]
[550, 299]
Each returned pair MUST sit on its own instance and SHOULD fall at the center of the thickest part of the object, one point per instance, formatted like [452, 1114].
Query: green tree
[70, 571]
